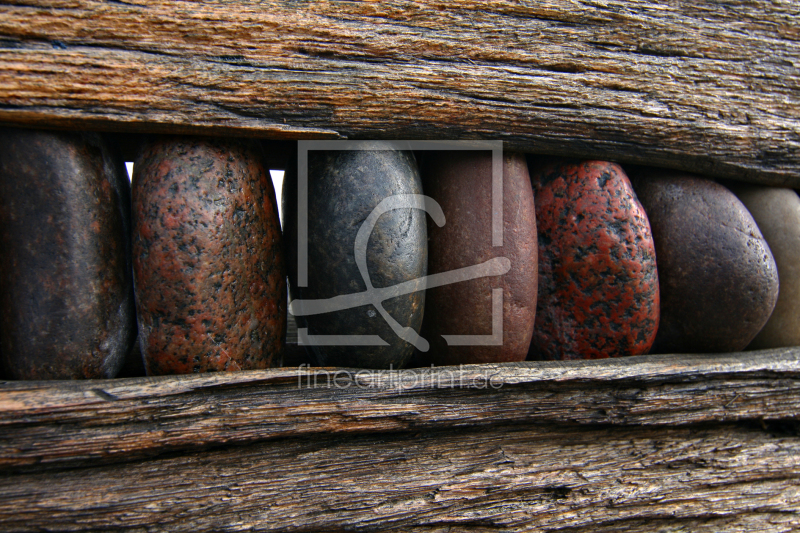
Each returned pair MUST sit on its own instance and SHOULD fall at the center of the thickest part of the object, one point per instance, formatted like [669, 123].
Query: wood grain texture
[59, 424]
[710, 86]
[540, 478]
[650, 443]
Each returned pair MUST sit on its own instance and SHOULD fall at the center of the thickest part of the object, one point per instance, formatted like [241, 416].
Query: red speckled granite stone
[208, 257]
[66, 289]
[462, 184]
[718, 278]
[598, 284]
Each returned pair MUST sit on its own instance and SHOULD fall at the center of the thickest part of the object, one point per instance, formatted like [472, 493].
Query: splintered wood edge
[643, 369]
[671, 86]
[80, 422]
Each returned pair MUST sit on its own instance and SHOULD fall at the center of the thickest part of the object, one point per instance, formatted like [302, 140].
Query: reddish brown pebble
[718, 278]
[598, 285]
[461, 182]
[66, 291]
[208, 260]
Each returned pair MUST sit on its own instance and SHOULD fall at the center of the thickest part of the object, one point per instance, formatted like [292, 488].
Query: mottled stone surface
[717, 275]
[66, 294]
[208, 257]
[461, 182]
[598, 284]
[777, 213]
[344, 187]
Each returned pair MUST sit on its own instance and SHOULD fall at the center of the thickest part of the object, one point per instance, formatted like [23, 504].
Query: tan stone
[777, 213]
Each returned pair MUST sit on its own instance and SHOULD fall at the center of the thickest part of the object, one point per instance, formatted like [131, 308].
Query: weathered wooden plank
[56, 424]
[709, 86]
[542, 478]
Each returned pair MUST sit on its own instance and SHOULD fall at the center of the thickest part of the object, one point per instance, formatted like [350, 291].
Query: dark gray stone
[344, 187]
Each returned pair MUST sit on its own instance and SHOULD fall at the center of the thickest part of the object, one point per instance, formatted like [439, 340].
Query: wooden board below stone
[500, 479]
[650, 443]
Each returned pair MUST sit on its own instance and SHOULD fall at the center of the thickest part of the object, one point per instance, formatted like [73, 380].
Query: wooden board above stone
[710, 86]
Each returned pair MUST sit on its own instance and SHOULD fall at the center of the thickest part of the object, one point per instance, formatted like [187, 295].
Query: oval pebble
[208, 257]
[344, 187]
[777, 213]
[462, 184]
[717, 275]
[598, 284]
[66, 291]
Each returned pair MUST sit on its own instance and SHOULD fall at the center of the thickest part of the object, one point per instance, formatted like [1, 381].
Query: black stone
[344, 187]
[66, 289]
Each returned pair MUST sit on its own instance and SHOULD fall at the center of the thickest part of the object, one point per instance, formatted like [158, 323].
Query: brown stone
[717, 275]
[208, 257]
[461, 182]
[66, 294]
[598, 285]
[777, 213]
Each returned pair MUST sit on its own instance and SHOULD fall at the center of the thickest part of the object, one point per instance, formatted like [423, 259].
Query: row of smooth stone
[208, 259]
[596, 270]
